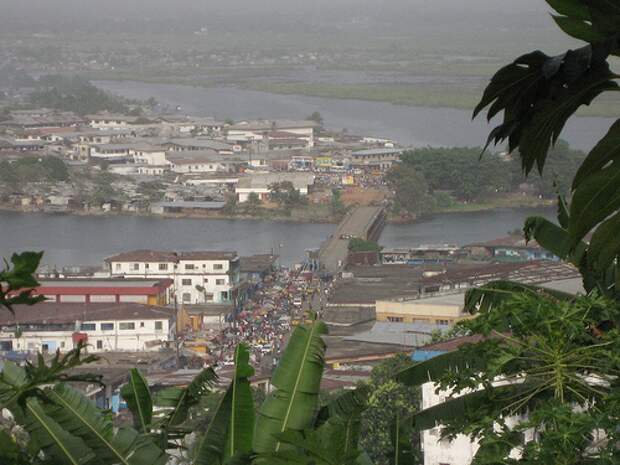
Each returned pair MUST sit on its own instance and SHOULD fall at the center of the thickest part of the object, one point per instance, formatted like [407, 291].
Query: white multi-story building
[199, 277]
[260, 183]
[48, 327]
[255, 131]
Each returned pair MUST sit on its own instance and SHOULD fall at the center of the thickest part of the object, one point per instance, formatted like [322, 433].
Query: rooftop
[257, 263]
[59, 313]
[263, 180]
[155, 256]
[268, 125]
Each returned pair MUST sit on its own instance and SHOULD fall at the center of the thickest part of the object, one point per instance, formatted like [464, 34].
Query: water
[83, 240]
[409, 125]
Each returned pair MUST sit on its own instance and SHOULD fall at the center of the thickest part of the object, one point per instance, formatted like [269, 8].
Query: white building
[106, 120]
[147, 154]
[204, 161]
[253, 131]
[103, 326]
[199, 277]
[259, 183]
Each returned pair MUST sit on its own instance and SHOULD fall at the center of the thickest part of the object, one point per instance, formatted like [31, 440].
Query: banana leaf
[230, 432]
[178, 401]
[50, 437]
[297, 379]
[138, 397]
[80, 417]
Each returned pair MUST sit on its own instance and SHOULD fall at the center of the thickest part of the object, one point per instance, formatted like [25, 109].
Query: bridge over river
[362, 222]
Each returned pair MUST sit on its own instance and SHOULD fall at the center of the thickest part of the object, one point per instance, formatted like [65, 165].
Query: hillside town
[175, 312]
[180, 165]
[310, 233]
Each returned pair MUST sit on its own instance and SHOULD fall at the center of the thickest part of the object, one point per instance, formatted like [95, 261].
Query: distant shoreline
[464, 209]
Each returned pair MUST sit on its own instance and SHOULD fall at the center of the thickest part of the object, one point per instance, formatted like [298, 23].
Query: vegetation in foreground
[539, 382]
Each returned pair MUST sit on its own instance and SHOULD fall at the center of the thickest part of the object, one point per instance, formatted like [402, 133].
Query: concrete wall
[99, 340]
[349, 314]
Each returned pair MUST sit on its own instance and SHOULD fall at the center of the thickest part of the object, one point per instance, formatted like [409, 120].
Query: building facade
[103, 327]
[199, 277]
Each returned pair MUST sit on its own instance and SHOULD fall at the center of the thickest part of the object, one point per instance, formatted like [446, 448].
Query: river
[409, 125]
[87, 240]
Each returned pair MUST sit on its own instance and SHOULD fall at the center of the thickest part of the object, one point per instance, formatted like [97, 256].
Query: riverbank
[462, 95]
[315, 213]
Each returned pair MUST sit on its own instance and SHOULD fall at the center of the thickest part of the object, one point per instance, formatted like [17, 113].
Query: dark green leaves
[18, 280]
[230, 432]
[178, 401]
[297, 379]
[138, 397]
[592, 21]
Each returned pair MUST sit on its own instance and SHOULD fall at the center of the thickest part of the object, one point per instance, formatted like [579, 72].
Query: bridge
[363, 223]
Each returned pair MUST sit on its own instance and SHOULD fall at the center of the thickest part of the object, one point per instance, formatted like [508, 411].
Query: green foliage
[297, 378]
[460, 170]
[410, 190]
[152, 190]
[252, 203]
[231, 429]
[316, 117]
[362, 245]
[175, 403]
[388, 403]
[31, 169]
[139, 401]
[231, 205]
[337, 207]
[285, 195]
[18, 281]
[74, 94]
[560, 370]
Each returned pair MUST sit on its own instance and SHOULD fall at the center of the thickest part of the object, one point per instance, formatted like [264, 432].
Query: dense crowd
[266, 318]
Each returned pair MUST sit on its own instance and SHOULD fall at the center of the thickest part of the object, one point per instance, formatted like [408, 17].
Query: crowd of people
[266, 318]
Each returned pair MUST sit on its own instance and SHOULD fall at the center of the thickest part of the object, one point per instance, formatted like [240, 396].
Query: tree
[547, 361]
[410, 190]
[252, 204]
[286, 196]
[337, 207]
[316, 117]
[361, 245]
[388, 401]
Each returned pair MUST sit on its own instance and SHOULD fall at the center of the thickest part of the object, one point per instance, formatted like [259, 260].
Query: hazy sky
[53, 14]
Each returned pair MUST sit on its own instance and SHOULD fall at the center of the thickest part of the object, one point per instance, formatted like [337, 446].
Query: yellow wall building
[443, 310]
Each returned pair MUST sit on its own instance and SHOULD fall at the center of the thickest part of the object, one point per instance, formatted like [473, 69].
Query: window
[45, 348]
[218, 266]
[99, 344]
[187, 297]
[186, 282]
[442, 322]
[62, 344]
[107, 326]
[189, 266]
[127, 325]
[88, 327]
[136, 266]
[395, 319]
[118, 267]
[146, 266]
[163, 267]
[224, 295]
[220, 282]
[142, 324]
[159, 325]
